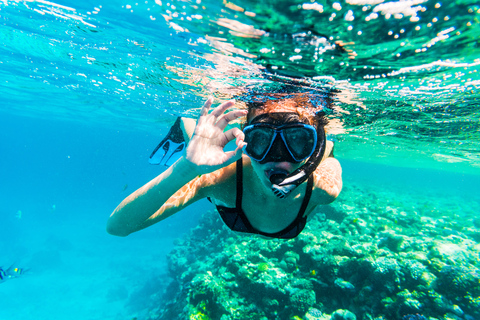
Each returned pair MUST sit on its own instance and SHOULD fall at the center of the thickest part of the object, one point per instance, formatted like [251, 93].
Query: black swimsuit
[236, 219]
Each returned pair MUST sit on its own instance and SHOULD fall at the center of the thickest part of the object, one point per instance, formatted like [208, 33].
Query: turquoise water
[88, 89]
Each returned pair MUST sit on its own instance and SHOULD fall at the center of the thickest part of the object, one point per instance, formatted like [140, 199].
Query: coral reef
[370, 255]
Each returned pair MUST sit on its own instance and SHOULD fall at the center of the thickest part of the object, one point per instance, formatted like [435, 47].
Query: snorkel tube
[283, 185]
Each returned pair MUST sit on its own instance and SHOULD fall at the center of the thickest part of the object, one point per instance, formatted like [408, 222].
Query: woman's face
[265, 170]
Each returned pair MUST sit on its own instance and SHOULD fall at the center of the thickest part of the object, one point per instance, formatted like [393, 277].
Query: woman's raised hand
[205, 149]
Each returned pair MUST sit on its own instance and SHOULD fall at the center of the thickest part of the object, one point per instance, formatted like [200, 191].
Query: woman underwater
[282, 168]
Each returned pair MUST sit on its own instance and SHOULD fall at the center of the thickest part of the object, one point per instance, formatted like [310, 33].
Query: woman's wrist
[187, 169]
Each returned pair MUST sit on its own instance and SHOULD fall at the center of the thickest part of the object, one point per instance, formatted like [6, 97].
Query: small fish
[313, 272]
[345, 285]
[320, 283]
[18, 215]
[10, 273]
[125, 187]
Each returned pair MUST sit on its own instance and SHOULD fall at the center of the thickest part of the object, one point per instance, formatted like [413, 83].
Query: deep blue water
[66, 178]
[75, 269]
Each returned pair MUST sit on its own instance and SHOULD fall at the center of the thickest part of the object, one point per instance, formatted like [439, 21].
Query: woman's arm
[132, 212]
[328, 177]
[204, 155]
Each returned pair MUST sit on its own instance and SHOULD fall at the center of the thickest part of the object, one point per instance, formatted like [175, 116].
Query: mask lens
[300, 141]
[259, 140]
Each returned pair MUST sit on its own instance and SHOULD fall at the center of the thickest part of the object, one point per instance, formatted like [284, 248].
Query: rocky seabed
[372, 254]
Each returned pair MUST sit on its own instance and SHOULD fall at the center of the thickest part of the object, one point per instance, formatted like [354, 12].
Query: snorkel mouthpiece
[277, 175]
[277, 178]
[286, 184]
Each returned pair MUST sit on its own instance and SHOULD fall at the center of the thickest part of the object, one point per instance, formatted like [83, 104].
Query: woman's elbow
[334, 193]
[330, 196]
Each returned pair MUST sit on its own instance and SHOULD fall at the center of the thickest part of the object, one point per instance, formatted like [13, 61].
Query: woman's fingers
[235, 133]
[225, 119]
[218, 116]
[205, 117]
[218, 111]
[206, 107]
[206, 146]
[204, 111]
[232, 156]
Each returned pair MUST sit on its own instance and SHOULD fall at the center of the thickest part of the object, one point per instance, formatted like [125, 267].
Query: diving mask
[269, 142]
[293, 142]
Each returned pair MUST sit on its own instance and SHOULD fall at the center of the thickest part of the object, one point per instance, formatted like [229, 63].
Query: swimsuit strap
[239, 176]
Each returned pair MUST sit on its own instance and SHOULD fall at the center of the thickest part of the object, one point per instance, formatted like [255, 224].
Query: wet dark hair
[315, 120]
[315, 101]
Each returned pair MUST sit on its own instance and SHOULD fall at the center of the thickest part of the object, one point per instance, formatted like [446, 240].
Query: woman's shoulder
[327, 180]
[219, 184]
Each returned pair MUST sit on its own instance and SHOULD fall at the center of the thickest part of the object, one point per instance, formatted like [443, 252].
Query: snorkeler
[10, 273]
[282, 168]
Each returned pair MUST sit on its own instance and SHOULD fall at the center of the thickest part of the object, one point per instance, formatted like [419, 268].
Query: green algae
[198, 316]
[262, 267]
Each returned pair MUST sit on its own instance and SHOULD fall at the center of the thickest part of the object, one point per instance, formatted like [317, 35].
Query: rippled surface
[406, 70]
